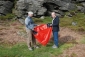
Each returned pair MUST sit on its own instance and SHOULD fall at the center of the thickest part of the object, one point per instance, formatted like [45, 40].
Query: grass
[73, 55]
[21, 50]
[82, 41]
[44, 21]
[79, 18]
[7, 17]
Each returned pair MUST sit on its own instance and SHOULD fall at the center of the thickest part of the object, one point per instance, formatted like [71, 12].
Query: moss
[8, 16]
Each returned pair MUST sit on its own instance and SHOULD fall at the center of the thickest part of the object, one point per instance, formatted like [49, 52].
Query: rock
[69, 15]
[5, 7]
[83, 10]
[22, 21]
[68, 6]
[67, 1]
[83, 4]
[74, 23]
[42, 17]
[22, 34]
[41, 11]
[80, 0]
[63, 8]
[59, 15]
[23, 6]
[45, 7]
[79, 8]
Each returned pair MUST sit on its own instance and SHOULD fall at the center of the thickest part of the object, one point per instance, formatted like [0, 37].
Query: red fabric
[43, 34]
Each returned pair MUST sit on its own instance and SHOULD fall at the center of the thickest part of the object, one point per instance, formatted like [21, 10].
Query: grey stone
[42, 17]
[74, 23]
[5, 7]
[68, 6]
[22, 21]
[83, 10]
[67, 1]
[79, 8]
[83, 4]
[69, 15]
[80, 0]
[22, 34]
[23, 6]
[41, 11]
[63, 8]
[45, 7]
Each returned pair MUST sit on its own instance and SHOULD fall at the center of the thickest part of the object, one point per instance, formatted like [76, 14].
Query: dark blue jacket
[55, 24]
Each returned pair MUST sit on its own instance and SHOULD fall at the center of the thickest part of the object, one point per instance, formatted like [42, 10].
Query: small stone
[42, 17]
[74, 23]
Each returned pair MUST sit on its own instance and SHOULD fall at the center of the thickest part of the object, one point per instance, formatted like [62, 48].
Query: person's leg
[34, 42]
[55, 34]
[29, 39]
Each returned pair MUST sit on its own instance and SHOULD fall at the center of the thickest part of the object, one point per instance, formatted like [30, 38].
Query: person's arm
[27, 23]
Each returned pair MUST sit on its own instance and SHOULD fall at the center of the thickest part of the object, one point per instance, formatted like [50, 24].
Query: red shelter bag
[43, 34]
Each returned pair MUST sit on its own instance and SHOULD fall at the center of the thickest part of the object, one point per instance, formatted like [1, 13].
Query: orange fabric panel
[43, 34]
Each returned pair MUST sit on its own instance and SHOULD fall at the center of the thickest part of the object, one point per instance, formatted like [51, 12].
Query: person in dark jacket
[55, 27]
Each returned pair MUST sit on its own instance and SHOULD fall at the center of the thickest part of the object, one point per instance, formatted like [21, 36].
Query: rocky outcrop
[41, 7]
[5, 7]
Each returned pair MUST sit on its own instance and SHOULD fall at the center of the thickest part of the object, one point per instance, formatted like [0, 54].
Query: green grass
[79, 18]
[44, 21]
[21, 50]
[7, 17]
[82, 41]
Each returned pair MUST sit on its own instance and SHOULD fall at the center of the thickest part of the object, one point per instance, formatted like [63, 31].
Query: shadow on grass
[63, 40]
[67, 39]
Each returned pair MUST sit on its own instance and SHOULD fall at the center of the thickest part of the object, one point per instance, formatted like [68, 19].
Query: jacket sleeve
[56, 22]
[29, 24]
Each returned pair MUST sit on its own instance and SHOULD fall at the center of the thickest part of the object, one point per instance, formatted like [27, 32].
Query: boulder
[83, 4]
[22, 21]
[68, 6]
[79, 8]
[23, 6]
[41, 11]
[5, 7]
[67, 1]
[74, 23]
[83, 10]
[80, 0]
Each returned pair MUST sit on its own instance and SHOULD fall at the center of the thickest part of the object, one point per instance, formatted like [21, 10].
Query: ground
[77, 51]
[14, 32]
[9, 33]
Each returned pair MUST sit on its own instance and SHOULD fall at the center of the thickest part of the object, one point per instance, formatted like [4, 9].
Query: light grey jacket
[29, 23]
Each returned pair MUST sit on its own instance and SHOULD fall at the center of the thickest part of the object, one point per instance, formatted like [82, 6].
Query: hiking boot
[54, 46]
[36, 47]
[30, 48]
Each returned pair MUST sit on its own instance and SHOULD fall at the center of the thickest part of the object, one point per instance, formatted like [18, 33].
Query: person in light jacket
[29, 28]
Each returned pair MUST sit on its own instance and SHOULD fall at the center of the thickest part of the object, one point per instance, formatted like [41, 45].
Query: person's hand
[38, 25]
[32, 29]
[50, 24]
